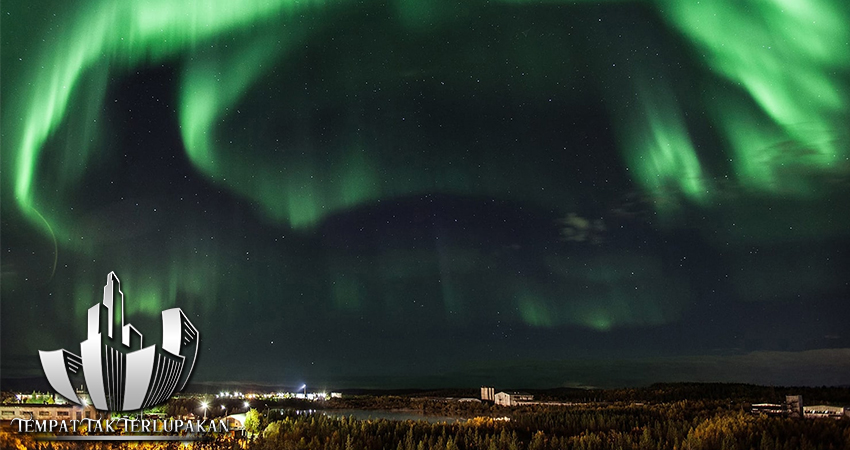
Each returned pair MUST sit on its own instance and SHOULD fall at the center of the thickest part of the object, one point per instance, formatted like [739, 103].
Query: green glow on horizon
[534, 312]
[599, 321]
[346, 292]
[611, 290]
[151, 288]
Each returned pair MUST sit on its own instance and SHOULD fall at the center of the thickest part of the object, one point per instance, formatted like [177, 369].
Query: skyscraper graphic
[120, 373]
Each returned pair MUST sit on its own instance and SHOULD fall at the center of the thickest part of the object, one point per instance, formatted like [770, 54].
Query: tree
[271, 431]
[252, 421]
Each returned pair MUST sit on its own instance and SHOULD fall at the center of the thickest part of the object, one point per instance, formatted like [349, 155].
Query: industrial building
[488, 394]
[825, 411]
[503, 398]
[794, 404]
[46, 412]
[794, 408]
[770, 409]
[513, 398]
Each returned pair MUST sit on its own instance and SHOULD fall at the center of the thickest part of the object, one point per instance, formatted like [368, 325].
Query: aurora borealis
[361, 192]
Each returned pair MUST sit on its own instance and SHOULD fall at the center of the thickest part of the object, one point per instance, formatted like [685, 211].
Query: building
[236, 424]
[823, 411]
[488, 393]
[46, 412]
[770, 409]
[794, 404]
[513, 398]
[793, 407]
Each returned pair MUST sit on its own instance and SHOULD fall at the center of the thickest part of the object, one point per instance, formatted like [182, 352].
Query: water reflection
[374, 414]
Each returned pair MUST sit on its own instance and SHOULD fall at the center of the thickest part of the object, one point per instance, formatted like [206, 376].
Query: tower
[488, 393]
[794, 405]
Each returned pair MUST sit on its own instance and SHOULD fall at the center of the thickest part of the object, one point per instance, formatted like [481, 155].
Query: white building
[770, 409]
[513, 398]
[46, 412]
[487, 393]
[816, 411]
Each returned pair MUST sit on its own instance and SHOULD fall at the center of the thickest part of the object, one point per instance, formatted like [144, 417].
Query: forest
[680, 425]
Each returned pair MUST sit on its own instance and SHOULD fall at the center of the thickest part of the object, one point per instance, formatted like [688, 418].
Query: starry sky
[434, 193]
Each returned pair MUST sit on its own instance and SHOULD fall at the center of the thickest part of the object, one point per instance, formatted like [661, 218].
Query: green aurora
[754, 117]
[810, 36]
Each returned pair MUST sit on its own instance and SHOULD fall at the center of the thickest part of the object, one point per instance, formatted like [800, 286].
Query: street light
[205, 405]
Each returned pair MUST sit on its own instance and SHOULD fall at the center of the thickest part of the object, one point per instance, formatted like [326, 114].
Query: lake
[375, 414]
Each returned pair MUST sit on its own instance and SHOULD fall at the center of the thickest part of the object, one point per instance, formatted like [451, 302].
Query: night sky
[435, 193]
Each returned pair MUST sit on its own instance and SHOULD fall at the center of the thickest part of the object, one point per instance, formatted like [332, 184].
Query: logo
[121, 374]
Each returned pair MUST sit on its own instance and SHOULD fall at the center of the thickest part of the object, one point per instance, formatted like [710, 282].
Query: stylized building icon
[120, 373]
